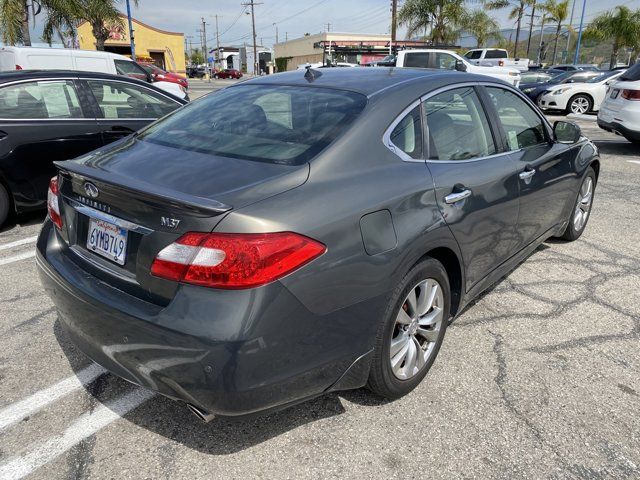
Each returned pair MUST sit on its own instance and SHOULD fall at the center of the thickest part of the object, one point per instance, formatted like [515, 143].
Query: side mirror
[566, 132]
[461, 66]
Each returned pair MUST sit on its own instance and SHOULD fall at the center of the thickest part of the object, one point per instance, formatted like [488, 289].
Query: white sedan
[581, 97]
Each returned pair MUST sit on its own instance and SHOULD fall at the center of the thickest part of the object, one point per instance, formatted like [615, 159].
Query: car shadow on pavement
[618, 147]
[222, 435]
[24, 220]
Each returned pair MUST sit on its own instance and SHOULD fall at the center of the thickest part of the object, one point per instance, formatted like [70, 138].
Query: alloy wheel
[417, 328]
[580, 105]
[583, 205]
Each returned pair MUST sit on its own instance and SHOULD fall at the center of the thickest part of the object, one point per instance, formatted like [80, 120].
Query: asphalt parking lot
[539, 378]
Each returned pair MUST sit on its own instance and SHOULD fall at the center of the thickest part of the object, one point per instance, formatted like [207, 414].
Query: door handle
[527, 174]
[455, 197]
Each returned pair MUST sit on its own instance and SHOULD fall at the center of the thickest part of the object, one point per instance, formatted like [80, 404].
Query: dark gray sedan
[305, 232]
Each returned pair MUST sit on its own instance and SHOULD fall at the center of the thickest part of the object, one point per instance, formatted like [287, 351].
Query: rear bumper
[226, 352]
[619, 129]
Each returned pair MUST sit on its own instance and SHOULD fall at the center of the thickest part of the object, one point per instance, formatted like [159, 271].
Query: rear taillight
[500, 63]
[234, 260]
[631, 94]
[53, 205]
[18, 67]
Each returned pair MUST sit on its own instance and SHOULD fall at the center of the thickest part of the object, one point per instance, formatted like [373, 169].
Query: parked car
[448, 60]
[578, 97]
[536, 77]
[193, 71]
[569, 67]
[496, 57]
[533, 91]
[387, 61]
[228, 73]
[158, 75]
[32, 58]
[620, 111]
[57, 115]
[299, 234]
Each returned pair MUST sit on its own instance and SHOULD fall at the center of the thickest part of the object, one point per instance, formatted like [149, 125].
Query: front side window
[40, 100]
[130, 69]
[445, 61]
[274, 124]
[124, 100]
[458, 126]
[523, 127]
[407, 134]
[474, 54]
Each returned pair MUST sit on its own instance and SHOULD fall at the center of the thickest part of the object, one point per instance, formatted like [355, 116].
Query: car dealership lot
[539, 378]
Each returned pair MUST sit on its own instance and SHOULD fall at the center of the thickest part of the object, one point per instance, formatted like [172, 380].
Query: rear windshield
[496, 54]
[274, 124]
[631, 75]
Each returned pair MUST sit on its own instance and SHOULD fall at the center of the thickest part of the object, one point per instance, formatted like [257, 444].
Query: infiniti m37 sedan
[305, 232]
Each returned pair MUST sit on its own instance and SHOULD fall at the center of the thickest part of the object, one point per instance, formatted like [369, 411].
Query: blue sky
[293, 18]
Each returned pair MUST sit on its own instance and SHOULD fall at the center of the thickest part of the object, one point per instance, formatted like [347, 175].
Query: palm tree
[482, 26]
[621, 26]
[517, 12]
[16, 14]
[443, 17]
[557, 12]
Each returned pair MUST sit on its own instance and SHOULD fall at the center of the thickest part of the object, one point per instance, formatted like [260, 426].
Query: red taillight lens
[52, 203]
[631, 94]
[234, 260]
[18, 67]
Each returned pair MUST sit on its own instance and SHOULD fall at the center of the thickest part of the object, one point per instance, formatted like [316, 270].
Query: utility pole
[204, 41]
[573, 7]
[394, 12]
[533, 11]
[328, 27]
[577, 55]
[217, 41]
[256, 62]
[539, 58]
[286, 36]
[133, 44]
[275, 25]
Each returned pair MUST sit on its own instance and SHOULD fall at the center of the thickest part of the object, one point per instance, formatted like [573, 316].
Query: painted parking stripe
[88, 424]
[17, 243]
[35, 402]
[634, 161]
[17, 258]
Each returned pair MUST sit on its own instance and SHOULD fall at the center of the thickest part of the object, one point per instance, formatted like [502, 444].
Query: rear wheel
[4, 204]
[579, 104]
[582, 208]
[412, 332]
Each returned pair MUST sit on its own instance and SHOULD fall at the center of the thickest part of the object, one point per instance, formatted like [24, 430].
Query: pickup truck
[448, 60]
[496, 57]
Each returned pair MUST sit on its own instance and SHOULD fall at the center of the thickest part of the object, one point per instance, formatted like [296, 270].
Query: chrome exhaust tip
[201, 414]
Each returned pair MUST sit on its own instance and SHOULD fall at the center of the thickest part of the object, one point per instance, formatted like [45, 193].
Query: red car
[159, 74]
[228, 73]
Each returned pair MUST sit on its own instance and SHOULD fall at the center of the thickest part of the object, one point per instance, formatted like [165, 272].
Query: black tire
[635, 141]
[382, 380]
[580, 97]
[5, 203]
[573, 232]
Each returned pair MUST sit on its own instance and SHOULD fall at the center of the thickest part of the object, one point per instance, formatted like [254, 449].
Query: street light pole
[577, 55]
[133, 44]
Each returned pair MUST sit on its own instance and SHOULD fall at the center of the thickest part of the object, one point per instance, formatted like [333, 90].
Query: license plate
[615, 93]
[108, 240]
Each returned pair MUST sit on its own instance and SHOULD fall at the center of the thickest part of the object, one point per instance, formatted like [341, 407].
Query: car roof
[367, 81]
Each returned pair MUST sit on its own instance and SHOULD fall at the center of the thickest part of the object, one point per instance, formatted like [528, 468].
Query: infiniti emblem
[91, 190]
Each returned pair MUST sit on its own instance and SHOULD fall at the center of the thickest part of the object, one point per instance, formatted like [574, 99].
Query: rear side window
[523, 127]
[416, 60]
[631, 75]
[496, 54]
[275, 124]
[40, 100]
[458, 126]
[407, 134]
[123, 100]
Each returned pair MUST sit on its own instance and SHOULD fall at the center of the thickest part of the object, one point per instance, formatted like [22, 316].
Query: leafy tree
[620, 26]
[482, 26]
[443, 17]
[197, 58]
[516, 13]
[556, 12]
[16, 14]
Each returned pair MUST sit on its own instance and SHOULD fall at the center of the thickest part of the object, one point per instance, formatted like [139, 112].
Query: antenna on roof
[311, 74]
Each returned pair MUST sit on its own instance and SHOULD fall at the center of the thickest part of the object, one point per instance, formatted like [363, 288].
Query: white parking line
[35, 402]
[634, 161]
[88, 424]
[17, 243]
[17, 258]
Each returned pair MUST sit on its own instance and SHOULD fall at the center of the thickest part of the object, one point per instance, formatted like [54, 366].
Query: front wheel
[580, 104]
[412, 330]
[4, 204]
[582, 207]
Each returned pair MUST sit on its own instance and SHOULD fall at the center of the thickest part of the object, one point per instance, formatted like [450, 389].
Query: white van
[31, 58]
